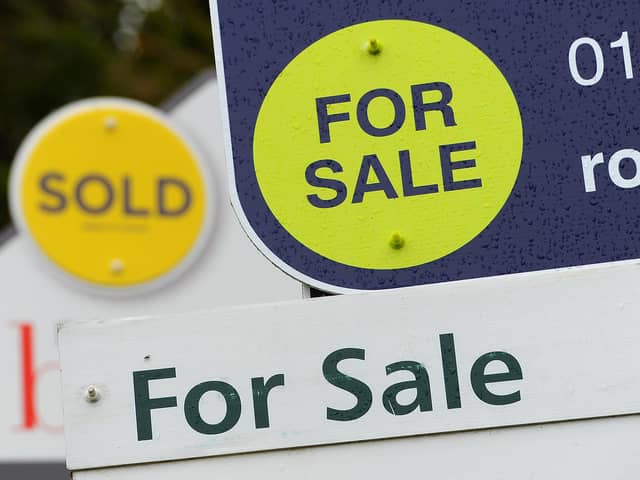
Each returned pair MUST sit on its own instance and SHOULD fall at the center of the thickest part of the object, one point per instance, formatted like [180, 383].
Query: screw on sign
[93, 394]
[489, 143]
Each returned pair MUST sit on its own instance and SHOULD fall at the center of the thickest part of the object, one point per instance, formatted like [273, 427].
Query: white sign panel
[588, 450]
[469, 355]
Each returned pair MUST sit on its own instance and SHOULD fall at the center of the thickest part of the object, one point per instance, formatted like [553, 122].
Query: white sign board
[587, 450]
[495, 352]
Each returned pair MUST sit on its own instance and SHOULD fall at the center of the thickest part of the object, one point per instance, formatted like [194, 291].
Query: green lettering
[144, 404]
[192, 408]
[261, 396]
[450, 370]
[420, 384]
[358, 389]
[479, 378]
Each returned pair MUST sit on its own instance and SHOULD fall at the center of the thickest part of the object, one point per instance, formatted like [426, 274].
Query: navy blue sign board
[377, 144]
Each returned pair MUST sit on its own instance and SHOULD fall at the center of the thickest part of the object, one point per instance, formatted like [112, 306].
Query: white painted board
[573, 333]
[588, 450]
[230, 271]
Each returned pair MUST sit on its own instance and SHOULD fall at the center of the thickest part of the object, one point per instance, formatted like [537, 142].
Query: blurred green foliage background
[57, 51]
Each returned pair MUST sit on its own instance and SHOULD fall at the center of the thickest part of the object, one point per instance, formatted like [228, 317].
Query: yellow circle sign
[112, 194]
[388, 144]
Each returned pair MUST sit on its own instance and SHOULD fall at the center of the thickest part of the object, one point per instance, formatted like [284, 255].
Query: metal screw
[116, 266]
[110, 124]
[92, 395]
[373, 46]
[396, 241]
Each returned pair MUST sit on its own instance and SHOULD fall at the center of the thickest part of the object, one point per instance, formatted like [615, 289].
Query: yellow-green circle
[431, 225]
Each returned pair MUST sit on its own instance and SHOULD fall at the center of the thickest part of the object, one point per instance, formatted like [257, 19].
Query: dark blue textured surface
[549, 221]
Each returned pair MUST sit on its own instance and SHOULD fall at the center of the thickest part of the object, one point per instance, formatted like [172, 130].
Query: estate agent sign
[113, 194]
[441, 358]
[384, 144]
